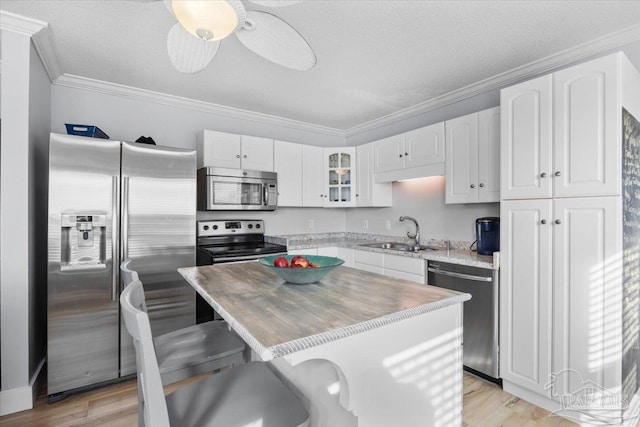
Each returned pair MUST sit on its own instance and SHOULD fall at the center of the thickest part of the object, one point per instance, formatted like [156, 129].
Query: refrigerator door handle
[125, 217]
[115, 273]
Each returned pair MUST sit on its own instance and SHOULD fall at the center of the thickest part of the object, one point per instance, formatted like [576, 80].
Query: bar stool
[192, 350]
[249, 394]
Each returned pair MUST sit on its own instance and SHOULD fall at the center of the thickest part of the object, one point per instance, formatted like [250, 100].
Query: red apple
[281, 262]
[302, 262]
[295, 258]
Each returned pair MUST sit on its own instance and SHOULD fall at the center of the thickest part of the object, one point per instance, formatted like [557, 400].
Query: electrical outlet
[365, 224]
[311, 223]
[388, 224]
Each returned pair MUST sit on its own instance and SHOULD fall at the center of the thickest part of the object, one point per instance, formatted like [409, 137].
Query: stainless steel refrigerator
[111, 200]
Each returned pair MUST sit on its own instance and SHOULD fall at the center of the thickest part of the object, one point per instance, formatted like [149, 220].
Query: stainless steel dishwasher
[481, 321]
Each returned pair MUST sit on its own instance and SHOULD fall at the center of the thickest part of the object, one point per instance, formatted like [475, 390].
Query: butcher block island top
[277, 318]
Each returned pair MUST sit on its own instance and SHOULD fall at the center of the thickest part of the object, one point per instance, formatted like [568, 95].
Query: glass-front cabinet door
[340, 176]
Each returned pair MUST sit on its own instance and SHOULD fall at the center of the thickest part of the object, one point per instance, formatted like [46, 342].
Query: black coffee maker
[488, 235]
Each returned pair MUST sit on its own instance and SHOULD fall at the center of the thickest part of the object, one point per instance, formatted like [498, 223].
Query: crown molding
[533, 69]
[115, 89]
[41, 37]
[20, 24]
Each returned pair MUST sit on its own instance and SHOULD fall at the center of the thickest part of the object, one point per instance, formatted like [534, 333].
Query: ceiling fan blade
[187, 53]
[275, 3]
[273, 39]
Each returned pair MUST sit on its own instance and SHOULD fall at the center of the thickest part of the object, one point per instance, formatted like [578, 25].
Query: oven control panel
[230, 227]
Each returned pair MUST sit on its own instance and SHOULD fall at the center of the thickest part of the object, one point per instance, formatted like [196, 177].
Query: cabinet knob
[406, 154]
[557, 221]
[543, 175]
[237, 156]
[544, 221]
[557, 173]
[481, 185]
[245, 156]
[400, 155]
[473, 186]
[357, 195]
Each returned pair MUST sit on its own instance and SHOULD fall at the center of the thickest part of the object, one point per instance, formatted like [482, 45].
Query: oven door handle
[244, 258]
[460, 275]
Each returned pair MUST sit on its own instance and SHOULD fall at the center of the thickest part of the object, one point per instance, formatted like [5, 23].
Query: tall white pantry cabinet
[570, 241]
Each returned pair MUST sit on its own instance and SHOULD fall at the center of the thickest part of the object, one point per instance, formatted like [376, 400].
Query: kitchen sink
[404, 247]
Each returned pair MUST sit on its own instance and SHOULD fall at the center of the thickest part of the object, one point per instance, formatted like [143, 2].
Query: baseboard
[22, 398]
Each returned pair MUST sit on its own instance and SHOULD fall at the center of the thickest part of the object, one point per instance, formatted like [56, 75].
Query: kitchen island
[359, 348]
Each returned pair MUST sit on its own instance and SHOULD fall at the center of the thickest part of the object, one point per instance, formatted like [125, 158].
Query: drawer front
[370, 258]
[368, 267]
[310, 251]
[406, 264]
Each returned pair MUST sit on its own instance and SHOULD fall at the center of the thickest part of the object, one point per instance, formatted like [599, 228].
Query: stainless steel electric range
[227, 241]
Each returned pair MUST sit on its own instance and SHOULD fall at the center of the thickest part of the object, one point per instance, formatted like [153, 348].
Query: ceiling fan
[203, 24]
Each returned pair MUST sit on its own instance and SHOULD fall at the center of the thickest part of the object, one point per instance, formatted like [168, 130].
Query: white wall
[128, 118]
[25, 100]
[422, 199]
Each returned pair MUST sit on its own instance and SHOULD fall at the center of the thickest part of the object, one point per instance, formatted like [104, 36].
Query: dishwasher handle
[460, 275]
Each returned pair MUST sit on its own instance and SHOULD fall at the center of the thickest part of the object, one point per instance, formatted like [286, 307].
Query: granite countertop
[276, 318]
[459, 253]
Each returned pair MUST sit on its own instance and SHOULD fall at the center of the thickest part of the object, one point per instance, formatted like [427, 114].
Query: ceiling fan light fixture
[209, 19]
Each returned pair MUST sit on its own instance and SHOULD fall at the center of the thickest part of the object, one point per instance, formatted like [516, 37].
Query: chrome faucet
[409, 235]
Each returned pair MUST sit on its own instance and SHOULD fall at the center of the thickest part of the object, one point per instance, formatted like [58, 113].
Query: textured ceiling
[374, 57]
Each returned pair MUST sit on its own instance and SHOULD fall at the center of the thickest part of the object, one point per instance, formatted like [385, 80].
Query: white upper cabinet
[526, 139]
[424, 146]
[473, 157]
[313, 189]
[586, 129]
[560, 133]
[340, 177]
[489, 155]
[226, 150]
[257, 153]
[389, 154]
[287, 162]
[413, 154]
[369, 193]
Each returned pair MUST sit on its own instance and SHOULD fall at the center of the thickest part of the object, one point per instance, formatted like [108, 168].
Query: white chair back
[137, 323]
[128, 275]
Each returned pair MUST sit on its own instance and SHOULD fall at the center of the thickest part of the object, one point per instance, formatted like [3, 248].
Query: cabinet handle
[557, 173]
[473, 186]
[237, 156]
[557, 221]
[543, 175]
[357, 195]
[544, 221]
[481, 185]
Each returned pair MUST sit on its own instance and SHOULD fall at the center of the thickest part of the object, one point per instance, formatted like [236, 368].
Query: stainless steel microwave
[236, 189]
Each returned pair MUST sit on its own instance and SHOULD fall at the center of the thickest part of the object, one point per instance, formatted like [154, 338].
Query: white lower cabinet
[561, 295]
[368, 261]
[396, 266]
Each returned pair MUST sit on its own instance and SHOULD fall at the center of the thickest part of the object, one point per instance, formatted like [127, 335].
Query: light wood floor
[485, 405]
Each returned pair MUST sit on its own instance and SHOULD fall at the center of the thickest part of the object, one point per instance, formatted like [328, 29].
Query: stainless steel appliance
[481, 313]
[236, 189]
[225, 241]
[110, 200]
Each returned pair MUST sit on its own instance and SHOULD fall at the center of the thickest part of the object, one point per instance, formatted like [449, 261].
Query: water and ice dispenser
[83, 241]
